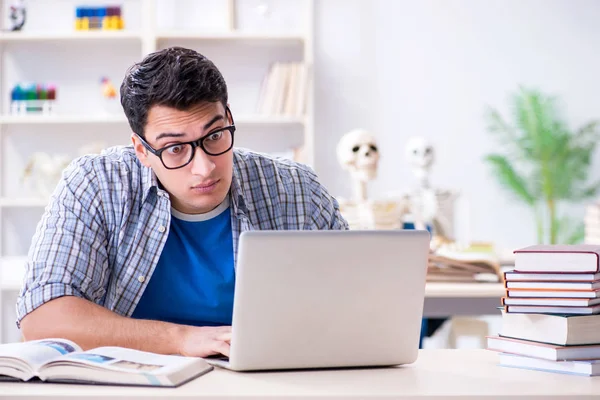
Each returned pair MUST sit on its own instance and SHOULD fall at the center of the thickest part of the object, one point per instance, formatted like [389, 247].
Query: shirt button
[161, 229]
[141, 278]
[121, 235]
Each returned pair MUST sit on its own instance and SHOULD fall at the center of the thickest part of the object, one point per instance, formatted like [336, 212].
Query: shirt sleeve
[326, 213]
[68, 253]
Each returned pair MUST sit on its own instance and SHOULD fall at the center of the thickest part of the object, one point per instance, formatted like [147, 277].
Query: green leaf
[553, 161]
[574, 235]
[510, 178]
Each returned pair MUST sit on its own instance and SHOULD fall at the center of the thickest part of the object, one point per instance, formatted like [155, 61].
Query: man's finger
[222, 347]
[226, 337]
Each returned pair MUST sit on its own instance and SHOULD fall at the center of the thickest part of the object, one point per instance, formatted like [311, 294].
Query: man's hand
[205, 341]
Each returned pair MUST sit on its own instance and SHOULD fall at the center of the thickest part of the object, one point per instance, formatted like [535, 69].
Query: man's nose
[202, 164]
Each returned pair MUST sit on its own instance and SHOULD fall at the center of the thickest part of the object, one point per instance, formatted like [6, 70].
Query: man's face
[204, 183]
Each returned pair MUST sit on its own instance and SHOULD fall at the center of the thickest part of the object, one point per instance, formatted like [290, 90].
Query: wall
[429, 67]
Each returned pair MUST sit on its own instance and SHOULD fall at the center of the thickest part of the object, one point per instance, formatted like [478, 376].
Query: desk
[437, 374]
[447, 299]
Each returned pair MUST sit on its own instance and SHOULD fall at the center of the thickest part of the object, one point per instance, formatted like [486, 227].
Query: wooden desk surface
[437, 374]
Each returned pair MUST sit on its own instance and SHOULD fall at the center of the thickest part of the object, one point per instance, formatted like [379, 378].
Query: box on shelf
[95, 18]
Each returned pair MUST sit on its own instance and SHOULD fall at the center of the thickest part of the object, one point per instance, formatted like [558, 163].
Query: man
[137, 248]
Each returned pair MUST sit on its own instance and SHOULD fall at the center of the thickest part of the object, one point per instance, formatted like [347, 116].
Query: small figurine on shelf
[108, 89]
[18, 14]
[109, 93]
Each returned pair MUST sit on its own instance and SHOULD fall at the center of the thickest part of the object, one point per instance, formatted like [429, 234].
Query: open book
[60, 360]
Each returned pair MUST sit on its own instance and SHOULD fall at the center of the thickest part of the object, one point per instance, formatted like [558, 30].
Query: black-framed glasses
[179, 155]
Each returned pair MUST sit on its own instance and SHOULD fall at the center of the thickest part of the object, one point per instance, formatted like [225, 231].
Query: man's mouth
[206, 186]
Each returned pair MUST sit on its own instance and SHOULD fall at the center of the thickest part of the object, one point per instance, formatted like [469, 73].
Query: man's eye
[175, 149]
[215, 136]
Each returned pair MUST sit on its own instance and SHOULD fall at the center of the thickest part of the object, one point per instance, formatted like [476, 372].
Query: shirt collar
[238, 203]
[149, 182]
[240, 207]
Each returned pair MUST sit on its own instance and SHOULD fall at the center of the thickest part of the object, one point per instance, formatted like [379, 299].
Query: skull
[420, 153]
[357, 152]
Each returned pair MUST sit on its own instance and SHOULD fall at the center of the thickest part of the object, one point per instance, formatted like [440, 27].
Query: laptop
[327, 299]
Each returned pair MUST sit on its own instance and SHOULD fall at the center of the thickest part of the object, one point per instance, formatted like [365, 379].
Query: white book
[280, 89]
[556, 329]
[270, 94]
[554, 310]
[569, 294]
[292, 88]
[61, 360]
[542, 277]
[549, 301]
[302, 92]
[558, 258]
[586, 368]
[553, 285]
[262, 97]
[543, 350]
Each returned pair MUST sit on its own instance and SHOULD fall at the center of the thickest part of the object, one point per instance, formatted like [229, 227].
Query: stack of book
[551, 314]
[284, 90]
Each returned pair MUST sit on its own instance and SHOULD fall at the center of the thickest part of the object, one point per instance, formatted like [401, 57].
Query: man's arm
[90, 325]
[326, 213]
[67, 276]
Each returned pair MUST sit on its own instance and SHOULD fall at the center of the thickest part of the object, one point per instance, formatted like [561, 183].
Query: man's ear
[140, 151]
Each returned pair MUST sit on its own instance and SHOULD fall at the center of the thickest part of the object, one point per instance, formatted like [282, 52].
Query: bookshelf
[244, 38]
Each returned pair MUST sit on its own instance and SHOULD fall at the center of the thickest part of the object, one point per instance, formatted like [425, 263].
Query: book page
[37, 352]
[126, 360]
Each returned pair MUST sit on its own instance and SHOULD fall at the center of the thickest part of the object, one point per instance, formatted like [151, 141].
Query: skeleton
[423, 200]
[420, 155]
[357, 153]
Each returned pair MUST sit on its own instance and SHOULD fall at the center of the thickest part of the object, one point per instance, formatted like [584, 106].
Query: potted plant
[543, 163]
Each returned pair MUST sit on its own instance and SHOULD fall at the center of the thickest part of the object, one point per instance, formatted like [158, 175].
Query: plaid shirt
[103, 232]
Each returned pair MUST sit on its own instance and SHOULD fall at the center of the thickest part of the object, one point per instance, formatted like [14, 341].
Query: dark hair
[174, 77]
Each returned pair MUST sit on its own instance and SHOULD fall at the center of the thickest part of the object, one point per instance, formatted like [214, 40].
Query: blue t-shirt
[194, 279]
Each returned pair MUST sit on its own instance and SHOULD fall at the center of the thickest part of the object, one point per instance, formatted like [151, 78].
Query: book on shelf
[284, 89]
[558, 258]
[562, 330]
[546, 351]
[584, 368]
[61, 360]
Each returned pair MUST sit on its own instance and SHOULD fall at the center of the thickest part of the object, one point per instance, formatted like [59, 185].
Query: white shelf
[268, 120]
[69, 36]
[174, 35]
[23, 202]
[110, 119]
[12, 271]
[61, 119]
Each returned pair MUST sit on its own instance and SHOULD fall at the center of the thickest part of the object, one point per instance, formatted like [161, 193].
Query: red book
[558, 258]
